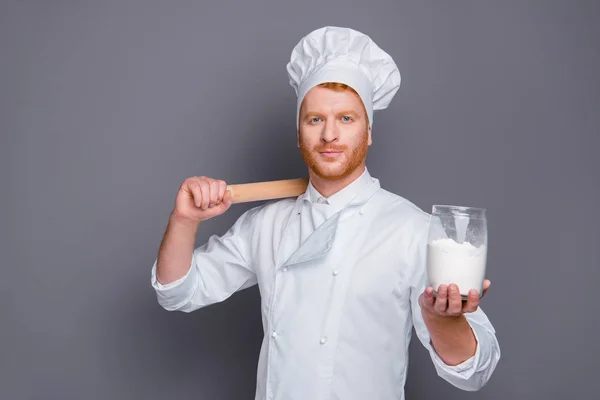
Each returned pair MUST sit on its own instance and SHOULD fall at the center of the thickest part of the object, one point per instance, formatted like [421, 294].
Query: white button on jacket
[341, 317]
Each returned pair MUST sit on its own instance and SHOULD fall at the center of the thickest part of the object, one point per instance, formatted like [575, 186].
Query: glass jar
[457, 248]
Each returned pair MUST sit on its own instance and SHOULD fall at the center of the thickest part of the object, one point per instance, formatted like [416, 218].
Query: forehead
[324, 99]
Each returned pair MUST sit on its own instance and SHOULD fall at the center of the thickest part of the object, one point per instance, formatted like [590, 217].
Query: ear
[370, 141]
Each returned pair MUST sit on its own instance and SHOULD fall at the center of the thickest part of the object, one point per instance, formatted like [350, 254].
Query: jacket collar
[341, 199]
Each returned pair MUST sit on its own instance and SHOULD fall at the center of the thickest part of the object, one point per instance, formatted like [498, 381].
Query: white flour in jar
[460, 263]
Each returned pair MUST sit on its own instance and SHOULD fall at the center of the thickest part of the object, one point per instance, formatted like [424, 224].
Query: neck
[329, 187]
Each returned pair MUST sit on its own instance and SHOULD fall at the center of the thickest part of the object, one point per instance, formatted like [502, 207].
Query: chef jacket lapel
[319, 243]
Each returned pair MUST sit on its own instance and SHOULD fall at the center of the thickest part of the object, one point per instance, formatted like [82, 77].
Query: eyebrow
[343, 112]
[310, 113]
[349, 112]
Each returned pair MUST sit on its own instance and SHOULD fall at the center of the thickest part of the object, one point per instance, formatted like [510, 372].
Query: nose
[330, 132]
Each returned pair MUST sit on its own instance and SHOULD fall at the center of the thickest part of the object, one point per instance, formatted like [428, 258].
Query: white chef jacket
[339, 280]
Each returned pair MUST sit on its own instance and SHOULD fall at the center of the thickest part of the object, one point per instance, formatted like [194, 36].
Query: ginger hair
[337, 86]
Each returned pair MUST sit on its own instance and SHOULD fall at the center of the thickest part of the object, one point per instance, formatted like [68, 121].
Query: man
[341, 268]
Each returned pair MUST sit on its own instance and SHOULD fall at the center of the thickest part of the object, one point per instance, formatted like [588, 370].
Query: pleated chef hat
[335, 54]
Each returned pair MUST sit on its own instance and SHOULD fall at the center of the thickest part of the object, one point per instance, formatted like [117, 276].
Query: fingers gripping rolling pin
[258, 191]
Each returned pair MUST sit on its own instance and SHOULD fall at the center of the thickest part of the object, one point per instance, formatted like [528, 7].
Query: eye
[315, 120]
[347, 118]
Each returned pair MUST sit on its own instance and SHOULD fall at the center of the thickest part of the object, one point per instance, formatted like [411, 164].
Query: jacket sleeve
[473, 373]
[219, 268]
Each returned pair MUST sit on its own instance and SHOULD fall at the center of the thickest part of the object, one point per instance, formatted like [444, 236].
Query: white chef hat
[335, 54]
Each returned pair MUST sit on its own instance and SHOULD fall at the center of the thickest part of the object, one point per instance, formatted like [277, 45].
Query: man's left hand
[448, 302]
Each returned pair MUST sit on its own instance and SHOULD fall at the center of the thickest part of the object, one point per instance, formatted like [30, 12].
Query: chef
[341, 268]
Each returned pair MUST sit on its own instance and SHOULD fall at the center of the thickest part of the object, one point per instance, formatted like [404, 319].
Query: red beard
[335, 169]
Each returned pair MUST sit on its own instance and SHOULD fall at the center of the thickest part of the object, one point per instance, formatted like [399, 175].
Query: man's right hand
[201, 198]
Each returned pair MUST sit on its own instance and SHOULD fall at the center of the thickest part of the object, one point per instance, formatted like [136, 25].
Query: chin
[333, 170]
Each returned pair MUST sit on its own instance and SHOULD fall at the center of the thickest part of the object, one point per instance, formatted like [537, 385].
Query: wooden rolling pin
[258, 191]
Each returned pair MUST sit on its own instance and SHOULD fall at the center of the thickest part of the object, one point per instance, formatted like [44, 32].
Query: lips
[334, 150]
[331, 154]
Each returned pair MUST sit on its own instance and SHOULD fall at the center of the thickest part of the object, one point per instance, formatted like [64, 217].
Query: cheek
[357, 136]
[308, 139]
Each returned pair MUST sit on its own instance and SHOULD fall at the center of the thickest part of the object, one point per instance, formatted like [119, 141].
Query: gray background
[106, 107]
